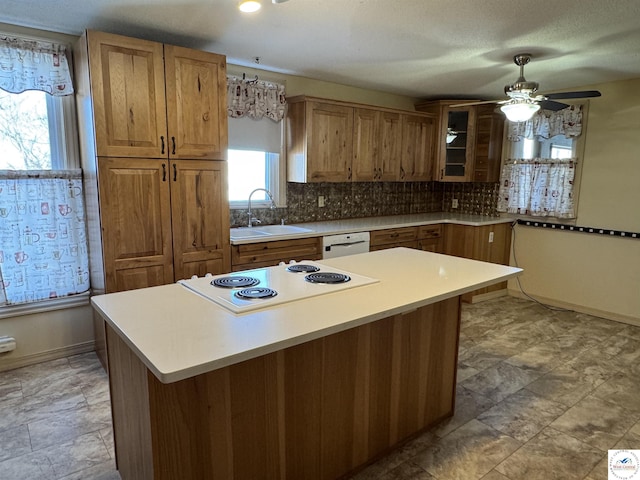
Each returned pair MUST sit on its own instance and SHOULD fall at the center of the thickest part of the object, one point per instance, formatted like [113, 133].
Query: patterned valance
[34, 65]
[255, 99]
[547, 124]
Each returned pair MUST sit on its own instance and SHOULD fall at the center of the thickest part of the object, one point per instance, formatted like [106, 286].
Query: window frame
[63, 120]
[578, 149]
[276, 175]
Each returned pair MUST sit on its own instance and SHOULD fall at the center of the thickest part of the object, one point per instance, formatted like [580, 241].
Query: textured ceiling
[420, 48]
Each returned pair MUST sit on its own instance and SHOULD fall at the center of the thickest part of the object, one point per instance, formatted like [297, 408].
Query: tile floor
[541, 395]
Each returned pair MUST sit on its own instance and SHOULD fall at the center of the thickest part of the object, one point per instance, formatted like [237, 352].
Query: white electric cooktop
[266, 287]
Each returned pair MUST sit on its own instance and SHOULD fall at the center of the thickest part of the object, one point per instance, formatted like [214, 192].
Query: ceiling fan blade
[474, 103]
[551, 105]
[567, 95]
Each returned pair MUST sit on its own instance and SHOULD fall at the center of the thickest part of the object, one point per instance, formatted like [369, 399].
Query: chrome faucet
[251, 217]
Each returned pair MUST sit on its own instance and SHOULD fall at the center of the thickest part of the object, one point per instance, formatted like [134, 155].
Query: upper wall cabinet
[152, 100]
[332, 141]
[469, 141]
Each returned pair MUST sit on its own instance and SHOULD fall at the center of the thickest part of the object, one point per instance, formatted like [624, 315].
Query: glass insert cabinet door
[455, 163]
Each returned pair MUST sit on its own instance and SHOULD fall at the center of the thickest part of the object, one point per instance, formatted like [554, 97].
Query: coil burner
[302, 268]
[235, 282]
[255, 293]
[327, 277]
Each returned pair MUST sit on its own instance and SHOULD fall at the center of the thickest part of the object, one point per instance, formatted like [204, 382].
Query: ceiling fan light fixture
[249, 6]
[519, 112]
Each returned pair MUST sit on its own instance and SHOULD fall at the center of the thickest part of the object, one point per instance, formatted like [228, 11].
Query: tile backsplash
[373, 199]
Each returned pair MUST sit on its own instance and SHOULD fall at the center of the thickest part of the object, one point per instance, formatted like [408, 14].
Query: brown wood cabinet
[377, 145]
[469, 144]
[267, 254]
[313, 411]
[418, 144]
[488, 148]
[430, 238]
[425, 237]
[152, 100]
[488, 243]
[156, 235]
[153, 141]
[331, 141]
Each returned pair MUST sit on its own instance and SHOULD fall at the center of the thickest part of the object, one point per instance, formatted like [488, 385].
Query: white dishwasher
[345, 244]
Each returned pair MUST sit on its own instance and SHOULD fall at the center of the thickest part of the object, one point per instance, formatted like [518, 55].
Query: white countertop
[367, 224]
[178, 334]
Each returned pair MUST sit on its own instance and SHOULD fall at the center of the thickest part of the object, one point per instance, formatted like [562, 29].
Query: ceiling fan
[523, 101]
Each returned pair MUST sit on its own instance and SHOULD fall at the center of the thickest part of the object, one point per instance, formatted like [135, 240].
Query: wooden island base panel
[317, 410]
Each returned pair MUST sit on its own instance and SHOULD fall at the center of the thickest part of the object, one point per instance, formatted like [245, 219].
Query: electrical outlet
[454, 203]
[490, 237]
[321, 201]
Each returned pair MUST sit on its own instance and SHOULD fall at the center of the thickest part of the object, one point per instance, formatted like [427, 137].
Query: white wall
[591, 273]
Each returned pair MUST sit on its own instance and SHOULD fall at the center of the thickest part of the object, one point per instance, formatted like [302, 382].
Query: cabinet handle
[349, 176]
[173, 148]
[175, 172]
[441, 173]
[164, 172]
[162, 143]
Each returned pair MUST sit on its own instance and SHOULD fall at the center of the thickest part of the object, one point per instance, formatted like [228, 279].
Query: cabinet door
[390, 147]
[457, 142]
[196, 103]
[365, 144]
[417, 148]
[488, 147]
[329, 142]
[127, 83]
[200, 218]
[136, 223]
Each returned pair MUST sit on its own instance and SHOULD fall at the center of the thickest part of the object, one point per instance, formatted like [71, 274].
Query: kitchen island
[311, 388]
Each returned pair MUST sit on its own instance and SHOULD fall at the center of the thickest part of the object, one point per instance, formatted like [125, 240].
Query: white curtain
[43, 244]
[255, 99]
[538, 187]
[34, 65]
[547, 124]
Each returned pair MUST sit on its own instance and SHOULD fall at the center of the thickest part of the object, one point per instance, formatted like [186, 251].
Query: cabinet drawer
[276, 251]
[394, 235]
[410, 244]
[430, 231]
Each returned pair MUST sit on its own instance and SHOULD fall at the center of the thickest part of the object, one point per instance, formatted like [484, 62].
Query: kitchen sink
[266, 230]
[282, 229]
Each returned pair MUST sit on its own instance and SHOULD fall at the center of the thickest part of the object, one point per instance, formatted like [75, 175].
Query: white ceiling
[419, 48]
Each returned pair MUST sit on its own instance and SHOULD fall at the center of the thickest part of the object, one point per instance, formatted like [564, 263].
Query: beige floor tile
[522, 415]
[469, 452]
[551, 455]
[596, 422]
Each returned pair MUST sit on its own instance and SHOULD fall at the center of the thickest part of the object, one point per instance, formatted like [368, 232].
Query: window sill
[79, 300]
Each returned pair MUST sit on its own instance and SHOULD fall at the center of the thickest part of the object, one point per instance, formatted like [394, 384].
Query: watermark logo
[624, 465]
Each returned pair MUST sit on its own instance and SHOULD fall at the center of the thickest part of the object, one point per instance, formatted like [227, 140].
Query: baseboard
[24, 361]
[489, 295]
[616, 317]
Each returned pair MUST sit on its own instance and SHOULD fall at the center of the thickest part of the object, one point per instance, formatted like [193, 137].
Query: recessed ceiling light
[249, 6]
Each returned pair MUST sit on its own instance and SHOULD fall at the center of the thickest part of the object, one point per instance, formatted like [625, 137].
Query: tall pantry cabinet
[153, 131]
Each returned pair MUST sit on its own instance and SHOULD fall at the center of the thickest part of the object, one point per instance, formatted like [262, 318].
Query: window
[255, 161]
[33, 134]
[540, 174]
[43, 248]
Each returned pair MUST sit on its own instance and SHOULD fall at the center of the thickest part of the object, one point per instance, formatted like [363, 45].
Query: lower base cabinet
[425, 237]
[487, 243]
[318, 410]
[268, 254]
